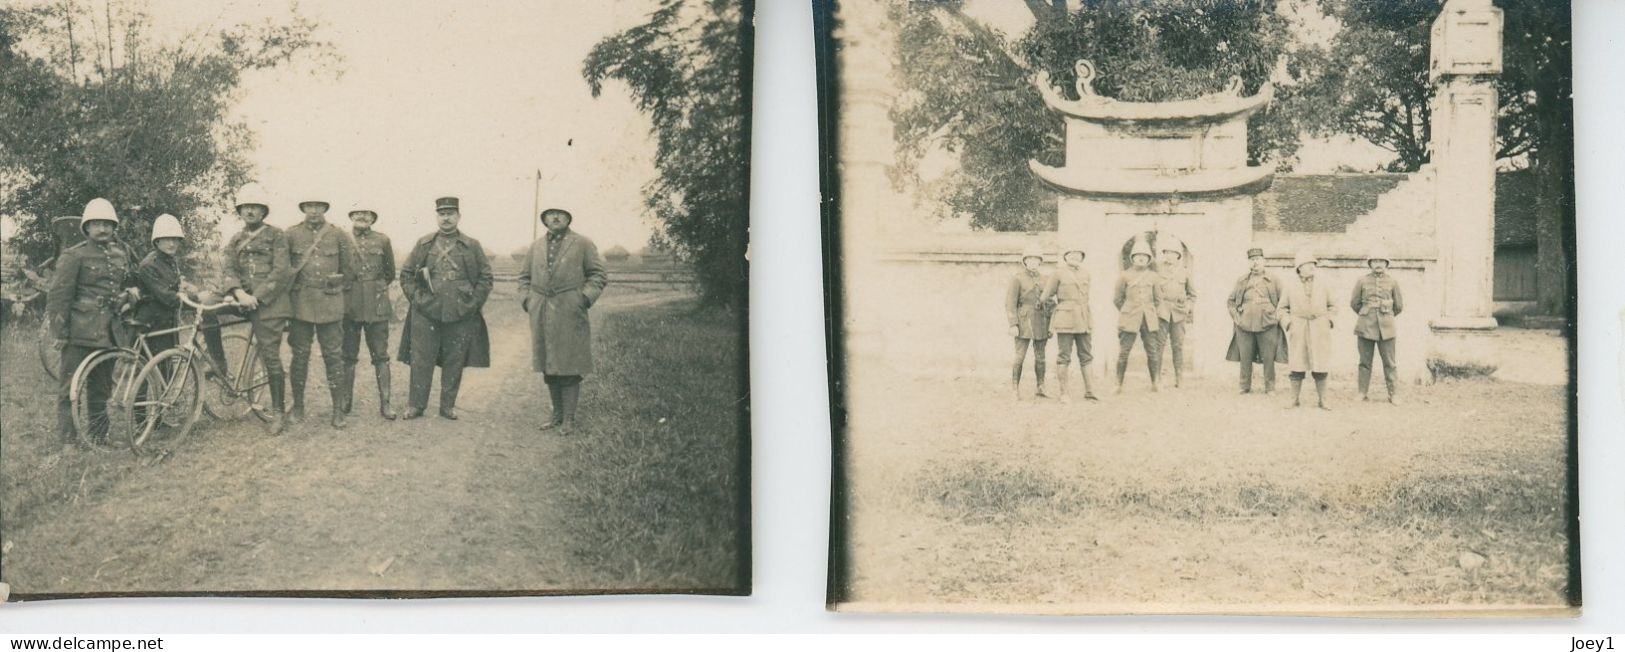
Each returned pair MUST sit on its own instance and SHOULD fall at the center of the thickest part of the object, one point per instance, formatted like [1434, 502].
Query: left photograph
[374, 298]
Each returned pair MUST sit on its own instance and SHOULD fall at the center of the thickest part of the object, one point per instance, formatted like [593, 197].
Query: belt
[547, 292]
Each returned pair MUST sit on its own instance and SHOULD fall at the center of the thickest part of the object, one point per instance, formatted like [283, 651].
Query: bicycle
[165, 403]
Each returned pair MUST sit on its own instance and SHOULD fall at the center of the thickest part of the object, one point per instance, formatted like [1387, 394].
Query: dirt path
[427, 504]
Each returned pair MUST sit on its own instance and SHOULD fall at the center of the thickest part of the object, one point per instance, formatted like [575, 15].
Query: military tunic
[81, 306]
[1023, 308]
[1068, 291]
[1137, 297]
[367, 310]
[1175, 298]
[325, 263]
[257, 263]
[1377, 301]
[159, 277]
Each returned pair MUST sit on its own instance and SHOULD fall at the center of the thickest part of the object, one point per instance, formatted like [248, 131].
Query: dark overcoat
[557, 294]
[448, 290]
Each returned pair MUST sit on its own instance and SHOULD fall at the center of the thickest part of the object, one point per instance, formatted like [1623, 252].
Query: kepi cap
[446, 202]
[1255, 252]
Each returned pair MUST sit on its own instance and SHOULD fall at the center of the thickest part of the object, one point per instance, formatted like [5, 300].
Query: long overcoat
[1308, 310]
[557, 294]
[458, 292]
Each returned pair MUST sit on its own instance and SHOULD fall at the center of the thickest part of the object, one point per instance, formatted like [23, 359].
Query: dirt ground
[420, 505]
[1198, 499]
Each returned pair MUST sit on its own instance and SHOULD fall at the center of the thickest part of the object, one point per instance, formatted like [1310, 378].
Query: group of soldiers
[1273, 322]
[314, 282]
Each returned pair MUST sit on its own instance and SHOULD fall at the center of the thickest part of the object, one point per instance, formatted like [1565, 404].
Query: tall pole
[536, 205]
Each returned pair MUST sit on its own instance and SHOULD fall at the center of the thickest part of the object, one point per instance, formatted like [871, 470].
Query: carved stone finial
[1086, 76]
[1232, 86]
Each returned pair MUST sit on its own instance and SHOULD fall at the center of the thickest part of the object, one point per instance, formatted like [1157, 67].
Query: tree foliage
[686, 69]
[92, 105]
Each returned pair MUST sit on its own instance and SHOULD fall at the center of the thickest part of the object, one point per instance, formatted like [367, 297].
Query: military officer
[1137, 298]
[1377, 301]
[322, 262]
[562, 277]
[92, 278]
[1176, 297]
[1029, 318]
[367, 310]
[256, 275]
[1257, 336]
[1307, 310]
[446, 280]
[1068, 292]
[159, 277]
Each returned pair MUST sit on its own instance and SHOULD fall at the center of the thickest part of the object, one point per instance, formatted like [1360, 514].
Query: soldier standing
[159, 277]
[1377, 301]
[322, 265]
[446, 279]
[1175, 299]
[1257, 336]
[1029, 319]
[91, 278]
[1068, 291]
[1306, 309]
[561, 279]
[256, 275]
[1137, 299]
[367, 310]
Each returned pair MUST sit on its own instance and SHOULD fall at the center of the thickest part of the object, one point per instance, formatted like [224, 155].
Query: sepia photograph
[363, 298]
[1201, 306]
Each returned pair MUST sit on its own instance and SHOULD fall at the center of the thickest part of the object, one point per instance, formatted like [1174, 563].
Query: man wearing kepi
[562, 277]
[1377, 301]
[367, 310]
[1068, 292]
[323, 265]
[1257, 336]
[446, 280]
[91, 279]
[256, 275]
[1306, 309]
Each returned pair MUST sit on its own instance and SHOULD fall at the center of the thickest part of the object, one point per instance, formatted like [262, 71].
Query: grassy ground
[483, 503]
[1199, 499]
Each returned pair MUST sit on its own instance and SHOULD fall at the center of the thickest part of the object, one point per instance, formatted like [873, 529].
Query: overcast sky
[465, 98]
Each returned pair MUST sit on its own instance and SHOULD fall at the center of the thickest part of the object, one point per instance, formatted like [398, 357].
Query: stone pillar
[1465, 59]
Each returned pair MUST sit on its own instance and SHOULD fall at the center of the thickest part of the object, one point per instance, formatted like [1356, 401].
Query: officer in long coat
[1067, 291]
[323, 266]
[367, 311]
[1138, 294]
[92, 278]
[1307, 311]
[1176, 298]
[1257, 337]
[1028, 316]
[562, 277]
[446, 280]
[256, 275]
[1377, 301]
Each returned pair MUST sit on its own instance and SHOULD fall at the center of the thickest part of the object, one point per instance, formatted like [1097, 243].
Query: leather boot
[571, 394]
[1122, 370]
[1320, 391]
[1015, 381]
[337, 420]
[1038, 371]
[297, 385]
[1060, 379]
[279, 405]
[1297, 390]
[1088, 384]
[1156, 374]
[556, 396]
[385, 410]
[347, 387]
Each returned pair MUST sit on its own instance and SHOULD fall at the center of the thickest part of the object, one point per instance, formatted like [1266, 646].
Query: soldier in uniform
[446, 280]
[256, 276]
[1306, 310]
[1137, 298]
[322, 263]
[90, 281]
[561, 279]
[1377, 301]
[1175, 298]
[159, 277]
[367, 310]
[1257, 336]
[1068, 292]
[1029, 318]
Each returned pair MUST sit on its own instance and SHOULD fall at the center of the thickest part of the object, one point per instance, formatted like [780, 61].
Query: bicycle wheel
[99, 388]
[50, 354]
[239, 391]
[165, 401]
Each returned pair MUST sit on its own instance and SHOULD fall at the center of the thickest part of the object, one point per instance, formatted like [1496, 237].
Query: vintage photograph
[374, 298]
[1201, 306]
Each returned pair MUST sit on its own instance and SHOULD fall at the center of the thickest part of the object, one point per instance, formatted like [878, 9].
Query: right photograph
[1216, 306]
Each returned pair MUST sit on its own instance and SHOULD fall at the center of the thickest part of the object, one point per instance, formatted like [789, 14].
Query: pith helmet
[1071, 246]
[1032, 250]
[1170, 242]
[98, 209]
[314, 198]
[358, 207]
[1140, 247]
[1377, 256]
[1304, 258]
[251, 194]
[166, 226]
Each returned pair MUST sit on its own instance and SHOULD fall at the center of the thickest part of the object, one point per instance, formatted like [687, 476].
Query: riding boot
[1320, 391]
[1297, 390]
[337, 420]
[1179, 367]
[296, 383]
[1088, 384]
[347, 387]
[384, 409]
[1015, 381]
[1122, 370]
[1155, 369]
[1060, 379]
[279, 405]
[1038, 371]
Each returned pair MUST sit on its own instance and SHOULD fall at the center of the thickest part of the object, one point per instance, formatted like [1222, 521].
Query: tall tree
[686, 68]
[92, 105]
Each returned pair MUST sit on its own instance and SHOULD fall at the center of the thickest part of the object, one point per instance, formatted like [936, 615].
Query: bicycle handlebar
[206, 307]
